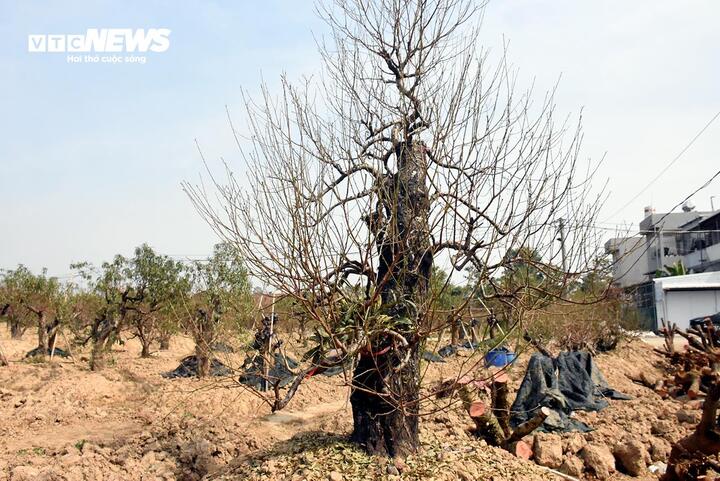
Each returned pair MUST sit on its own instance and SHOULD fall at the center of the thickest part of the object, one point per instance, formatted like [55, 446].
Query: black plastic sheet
[189, 367]
[571, 382]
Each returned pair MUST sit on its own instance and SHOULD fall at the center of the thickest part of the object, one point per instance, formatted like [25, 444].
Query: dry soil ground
[60, 421]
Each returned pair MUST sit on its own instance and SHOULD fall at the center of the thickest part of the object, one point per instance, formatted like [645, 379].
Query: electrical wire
[647, 248]
[672, 162]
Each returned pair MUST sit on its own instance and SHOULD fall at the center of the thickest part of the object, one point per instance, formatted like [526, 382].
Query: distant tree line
[148, 296]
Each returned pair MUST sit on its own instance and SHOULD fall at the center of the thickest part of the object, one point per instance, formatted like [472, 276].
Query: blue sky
[92, 155]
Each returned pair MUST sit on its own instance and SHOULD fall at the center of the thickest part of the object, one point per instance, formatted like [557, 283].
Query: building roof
[673, 220]
[614, 244]
[709, 221]
[694, 282]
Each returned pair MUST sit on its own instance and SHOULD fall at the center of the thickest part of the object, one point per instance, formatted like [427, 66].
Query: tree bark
[103, 336]
[145, 353]
[487, 425]
[51, 332]
[204, 335]
[16, 330]
[386, 427]
[386, 382]
[42, 332]
[501, 403]
[98, 356]
[301, 325]
[689, 456]
[454, 331]
[202, 353]
[3, 358]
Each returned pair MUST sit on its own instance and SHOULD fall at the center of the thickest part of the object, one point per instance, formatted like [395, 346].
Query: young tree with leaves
[35, 296]
[156, 283]
[11, 294]
[219, 303]
[110, 285]
[135, 293]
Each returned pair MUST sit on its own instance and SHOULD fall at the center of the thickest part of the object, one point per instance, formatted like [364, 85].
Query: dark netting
[447, 351]
[571, 382]
[281, 370]
[189, 367]
[38, 352]
[432, 357]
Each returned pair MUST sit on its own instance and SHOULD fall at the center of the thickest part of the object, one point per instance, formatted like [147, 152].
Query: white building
[690, 237]
[681, 298]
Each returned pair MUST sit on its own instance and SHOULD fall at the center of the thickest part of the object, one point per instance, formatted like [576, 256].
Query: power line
[672, 162]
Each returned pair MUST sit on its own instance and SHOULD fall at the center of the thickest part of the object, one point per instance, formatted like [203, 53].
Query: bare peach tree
[408, 151]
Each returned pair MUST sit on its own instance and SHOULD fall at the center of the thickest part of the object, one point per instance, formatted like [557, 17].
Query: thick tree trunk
[302, 325]
[386, 427]
[454, 331]
[103, 336]
[42, 333]
[386, 382]
[691, 457]
[51, 333]
[16, 330]
[145, 353]
[204, 336]
[98, 356]
[202, 353]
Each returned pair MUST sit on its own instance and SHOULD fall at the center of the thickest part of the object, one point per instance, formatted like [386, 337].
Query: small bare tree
[410, 151]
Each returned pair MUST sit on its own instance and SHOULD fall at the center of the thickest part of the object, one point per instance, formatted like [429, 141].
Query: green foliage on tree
[444, 292]
[136, 293]
[596, 283]
[11, 296]
[157, 283]
[32, 298]
[220, 302]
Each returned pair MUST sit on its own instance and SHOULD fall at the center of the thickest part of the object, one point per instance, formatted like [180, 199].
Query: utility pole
[561, 239]
[662, 249]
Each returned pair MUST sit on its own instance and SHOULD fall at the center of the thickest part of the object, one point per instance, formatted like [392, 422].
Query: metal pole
[662, 250]
[561, 229]
[52, 348]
